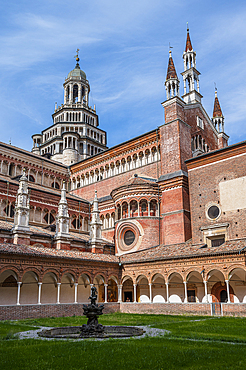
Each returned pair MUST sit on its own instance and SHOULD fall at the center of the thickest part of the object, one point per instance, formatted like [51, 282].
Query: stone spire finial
[21, 228]
[62, 218]
[95, 225]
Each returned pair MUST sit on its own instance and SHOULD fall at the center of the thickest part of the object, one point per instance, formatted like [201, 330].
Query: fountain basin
[75, 332]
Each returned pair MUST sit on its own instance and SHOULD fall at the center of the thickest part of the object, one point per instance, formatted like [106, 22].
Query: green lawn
[193, 343]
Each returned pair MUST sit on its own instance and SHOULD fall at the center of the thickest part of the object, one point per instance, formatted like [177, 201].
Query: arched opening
[84, 288]
[143, 293]
[195, 287]
[75, 93]
[133, 208]
[158, 289]
[55, 185]
[112, 290]
[237, 278]
[67, 288]
[143, 207]
[8, 287]
[127, 289]
[153, 208]
[29, 288]
[124, 210]
[49, 288]
[176, 288]
[99, 282]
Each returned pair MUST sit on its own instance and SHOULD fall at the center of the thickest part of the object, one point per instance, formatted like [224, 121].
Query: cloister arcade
[49, 289]
[116, 167]
[191, 287]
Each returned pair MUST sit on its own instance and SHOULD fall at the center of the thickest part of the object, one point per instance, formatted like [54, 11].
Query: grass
[194, 343]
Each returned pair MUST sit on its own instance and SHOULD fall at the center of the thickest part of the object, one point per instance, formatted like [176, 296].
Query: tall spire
[218, 119]
[188, 46]
[172, 81]
[190, 74]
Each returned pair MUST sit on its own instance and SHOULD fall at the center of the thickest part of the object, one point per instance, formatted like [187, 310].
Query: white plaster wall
[67, 291]
[49, 290]
[8, 295]
[83, 293]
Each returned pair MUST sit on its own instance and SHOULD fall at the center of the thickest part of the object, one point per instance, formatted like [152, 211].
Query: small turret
[172, 81]
[218, 118]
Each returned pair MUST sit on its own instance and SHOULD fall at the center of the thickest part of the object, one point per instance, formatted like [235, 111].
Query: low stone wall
[233, 309]
[14, 312]
[167, 308]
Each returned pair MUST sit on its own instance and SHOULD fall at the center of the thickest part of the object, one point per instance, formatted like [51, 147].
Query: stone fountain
[92, 329]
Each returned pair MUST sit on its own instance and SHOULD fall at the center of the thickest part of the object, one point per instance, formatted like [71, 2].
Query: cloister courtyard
[187, 343]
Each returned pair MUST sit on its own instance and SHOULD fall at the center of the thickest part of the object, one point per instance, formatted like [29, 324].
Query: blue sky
[124, 52]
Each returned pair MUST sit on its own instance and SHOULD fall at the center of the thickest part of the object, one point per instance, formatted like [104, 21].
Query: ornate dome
[77, 72]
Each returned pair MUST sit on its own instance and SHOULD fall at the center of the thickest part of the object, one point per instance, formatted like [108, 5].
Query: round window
[213, 212]
[129, 237]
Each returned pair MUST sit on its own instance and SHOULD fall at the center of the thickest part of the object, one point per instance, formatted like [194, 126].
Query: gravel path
[33, 334]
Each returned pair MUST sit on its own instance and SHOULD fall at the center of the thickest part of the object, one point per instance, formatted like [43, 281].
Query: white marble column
[186, 295]
[167, 289]
[18, 292]
[75, 292]
[150, 292]
[58, 292]
[206, 290]
[106, 293]
[135, 293]
[228, 291]
[119, 293]
[39, 292]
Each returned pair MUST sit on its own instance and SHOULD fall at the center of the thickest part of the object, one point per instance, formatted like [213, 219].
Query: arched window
[143, 208]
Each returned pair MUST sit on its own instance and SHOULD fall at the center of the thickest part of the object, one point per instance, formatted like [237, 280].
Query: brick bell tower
[175, 148]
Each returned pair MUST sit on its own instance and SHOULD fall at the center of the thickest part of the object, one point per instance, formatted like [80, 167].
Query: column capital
[105, 284]
[76, 284]
[39, 283]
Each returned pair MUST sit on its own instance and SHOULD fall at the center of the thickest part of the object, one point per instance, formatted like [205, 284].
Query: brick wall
[204, 191]
[167, 308]
[105, 186]
[48, 310]
[53, 310]
[236, 309]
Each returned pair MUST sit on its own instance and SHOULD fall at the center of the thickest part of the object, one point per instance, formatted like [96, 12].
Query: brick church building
[157, 223]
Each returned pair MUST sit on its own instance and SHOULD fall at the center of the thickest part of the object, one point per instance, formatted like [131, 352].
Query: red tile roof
[183, 250]
[33, 251]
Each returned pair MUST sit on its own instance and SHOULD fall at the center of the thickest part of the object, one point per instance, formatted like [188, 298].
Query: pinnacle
[217, 110]
[188, 46]
[171, 71]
